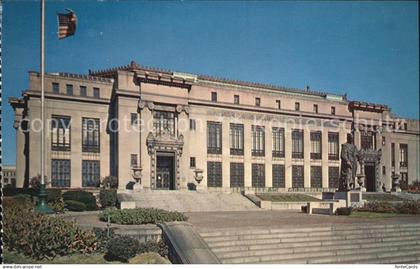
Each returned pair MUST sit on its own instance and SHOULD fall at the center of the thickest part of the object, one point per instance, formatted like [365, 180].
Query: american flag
[66, 24]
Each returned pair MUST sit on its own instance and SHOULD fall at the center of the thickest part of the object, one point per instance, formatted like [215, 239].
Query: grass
[382, 197]
[286, 197]
[374, 215]
[12, 257]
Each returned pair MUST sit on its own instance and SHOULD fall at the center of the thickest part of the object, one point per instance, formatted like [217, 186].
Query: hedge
[122, 248]
[84, 197]
[406, 207]
[141, 216]
[108, 198]
[72, 205]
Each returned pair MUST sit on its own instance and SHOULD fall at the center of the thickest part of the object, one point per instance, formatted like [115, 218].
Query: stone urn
[136, 174]
[198, 176]
[360, 182]
[395, 183]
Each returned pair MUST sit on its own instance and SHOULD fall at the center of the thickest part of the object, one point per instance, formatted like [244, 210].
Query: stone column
[226, 154]
[247, 154]
[325, 162]
[268, 156]
[146, 120]
[288, 157]
[307, 157]
[183, 129]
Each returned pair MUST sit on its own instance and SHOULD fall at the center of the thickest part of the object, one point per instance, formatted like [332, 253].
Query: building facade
[9, 176]
[179, 129]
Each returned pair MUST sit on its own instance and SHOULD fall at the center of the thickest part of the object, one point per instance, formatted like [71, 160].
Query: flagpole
[42, 204]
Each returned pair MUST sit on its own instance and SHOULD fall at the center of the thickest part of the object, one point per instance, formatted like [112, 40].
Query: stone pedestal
[395, 183]
[352, 198]
[137, 187]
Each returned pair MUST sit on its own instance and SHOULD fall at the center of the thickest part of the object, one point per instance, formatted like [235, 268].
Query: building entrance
[165, 171]
[370, 178]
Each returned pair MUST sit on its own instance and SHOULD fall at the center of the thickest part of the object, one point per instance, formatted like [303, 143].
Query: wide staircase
[189, 201]
[367, 243]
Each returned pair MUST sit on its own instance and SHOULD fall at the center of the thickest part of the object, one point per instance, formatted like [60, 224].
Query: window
[367, 140]
[90, 135]
[258, 175]
[316, 108]
[96, 93]
[69, 89]
[393, 154]
[55, 87]
[60, 173]
[134, 119]
[404, 180]
[297, 144]
[258, 141]
[214, 96]
[133, 160]
[278, 176]
[83, 91]
[333, 150]
[405, 126]
[192, 124]
[383, 170]
[297, 176]
[278, 102]
[316, 145]
[333, 110]
[278, 142]
[214, 174]
[257, 101]
[297, 106]
[60, 137]
[236, 139]
[164, 122]
[214, 137]
[236, 175]
[316, 177]
[236, 99]
[403, 155]
[192, 162]
[333, 177]
[91, 177]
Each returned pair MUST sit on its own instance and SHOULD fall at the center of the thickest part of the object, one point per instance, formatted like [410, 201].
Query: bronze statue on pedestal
[349, 158]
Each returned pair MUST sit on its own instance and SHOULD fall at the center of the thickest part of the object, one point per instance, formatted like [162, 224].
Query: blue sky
[368, 50]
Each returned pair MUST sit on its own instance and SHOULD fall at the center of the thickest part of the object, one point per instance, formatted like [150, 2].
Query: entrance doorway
[370, 178]
[165, 171]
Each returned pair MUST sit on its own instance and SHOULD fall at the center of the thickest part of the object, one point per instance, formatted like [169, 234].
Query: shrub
[103, 238]
[53, 195]
[23, 197]
[57, 206]
[75, 205]
[109, 182]
[122, 248]
[15, 191]
[408, 207]
[84, 197]
[141, 216]
[344, 211]
[108, 198]
[41, 236]
[35, 182]
[152, 246]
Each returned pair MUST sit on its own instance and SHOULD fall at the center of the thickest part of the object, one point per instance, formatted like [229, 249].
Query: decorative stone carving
[141, 104]
[395, 183]
[150, 105]
[136, 174]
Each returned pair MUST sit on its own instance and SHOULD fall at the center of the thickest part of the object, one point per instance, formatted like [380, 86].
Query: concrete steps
[338, 244]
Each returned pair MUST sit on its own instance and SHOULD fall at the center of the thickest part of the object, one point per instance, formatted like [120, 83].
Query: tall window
[192, 124]
[236, 139]
[96, 93]
[333, 176]
[56, 87]
[214, 174]
[91, 176]
[257, 101]
[278, 142]
[278, 102]
[69, 89]
[83, 91]
[258, 175]
[278, 176]
[297, 106]
[333, 110]
[297, 144]
[133, 160]
[393, 154]
[297, 176]
[316, 108]
[192, 162]
[214, 137]
[214, 96]
[403, 155]
[134, 119]
[236, 99]
[60, 173]
[316, 176]
[164, 122]
[316, 145]
[367, 140]
[60, 136]
[333, 150]
[236, 175]
[404, 180]
[258, 141]
[90, 135]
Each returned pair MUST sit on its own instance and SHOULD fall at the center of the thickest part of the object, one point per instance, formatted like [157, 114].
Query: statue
[349, 157]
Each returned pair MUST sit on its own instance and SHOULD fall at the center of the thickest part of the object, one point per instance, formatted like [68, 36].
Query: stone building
[9, 176]
[178, 128]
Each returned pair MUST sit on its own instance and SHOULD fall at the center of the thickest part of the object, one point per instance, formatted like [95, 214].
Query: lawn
[374, 215]
[382, 197]
[12, 257]
[286, 197]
